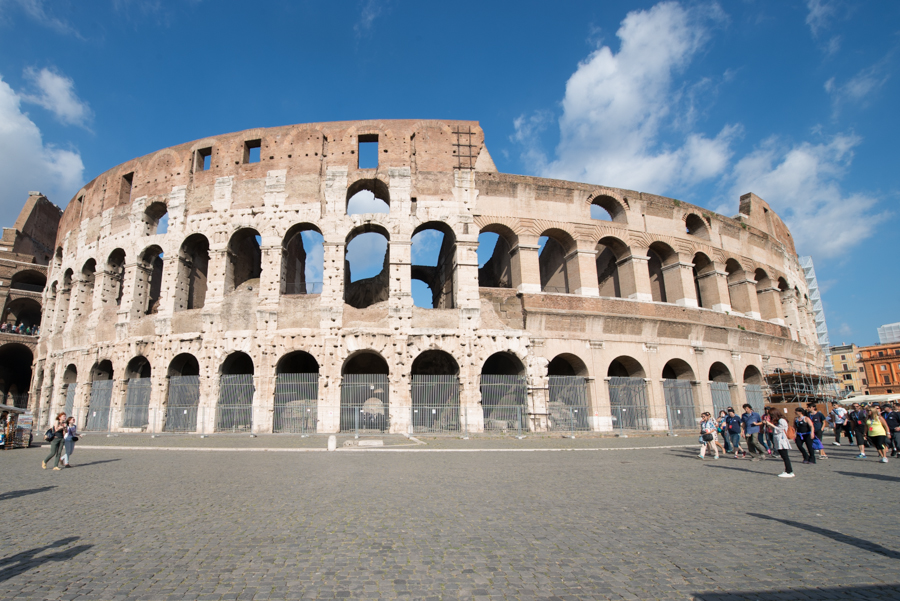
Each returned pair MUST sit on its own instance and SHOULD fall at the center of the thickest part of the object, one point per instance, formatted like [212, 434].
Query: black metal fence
[182, 403]
[234, 411]
[568, 404]
[365, 403]
[628, 404]
[136, 413]
[296, 403]
[435, 405]
[680, 404]
[504, 401]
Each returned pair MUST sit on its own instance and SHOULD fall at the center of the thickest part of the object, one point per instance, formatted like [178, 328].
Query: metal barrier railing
[628, 404]
[234, 411]
[435, 405]
[296, 403]
[99, 407]
[182, 403]
[136, 413]
[365, 403]
[679, 395]
[506, 419]
[568, 404]
[721, 396]
[504, 390]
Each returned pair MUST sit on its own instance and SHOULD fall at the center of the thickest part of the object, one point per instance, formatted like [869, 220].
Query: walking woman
[804, 427]
[877, 429]
[707, 435]
[780, 440]
[58, 431]
[69, 441]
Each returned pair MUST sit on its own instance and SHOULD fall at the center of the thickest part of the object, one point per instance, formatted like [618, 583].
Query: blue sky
[793, 100]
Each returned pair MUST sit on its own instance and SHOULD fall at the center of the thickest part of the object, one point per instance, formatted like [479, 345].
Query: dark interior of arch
[657, 281]
[88, 277]
[560, 367]
[15, 369]
[28, 280]
[435, 363]
[552, 262]
[245, 259]
[194, 267]
[362, 258]
[153, 264]
[719, 373]
[303, 261]
[102, 370]
[236, 364]
[606, 208]
[139, 367]
[115, 267]
[752, 375]
[184, 365]
[155, 217]
[677, 369]
[365, 363]
[695, 226]
[495, 272]
[24, 311]
[298, 362]
[70, 376]
[608, 272]
[433, 264]
[625, 367]
[503, 364]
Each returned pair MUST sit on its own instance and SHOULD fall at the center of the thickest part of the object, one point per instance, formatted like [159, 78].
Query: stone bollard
[332, 442]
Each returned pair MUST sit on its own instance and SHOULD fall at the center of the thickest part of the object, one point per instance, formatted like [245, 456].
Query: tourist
[780, 440]
[57, 433]
[892, 419]
[766, 433]
[707, 435]
[3, 327]
[857, 420]
[877, 430]
[818, 420]
[733, 423]
[805, 433]
[838, 419]
[722, 428]
[750, 423]
[69, 441]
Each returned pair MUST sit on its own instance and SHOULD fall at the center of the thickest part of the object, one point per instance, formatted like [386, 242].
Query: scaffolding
[798, 383]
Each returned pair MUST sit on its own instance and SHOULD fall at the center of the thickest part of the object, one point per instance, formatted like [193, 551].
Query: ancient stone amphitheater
[210, 287]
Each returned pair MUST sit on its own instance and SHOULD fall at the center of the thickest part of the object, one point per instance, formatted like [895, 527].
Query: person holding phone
[69, 441]
[55, 436]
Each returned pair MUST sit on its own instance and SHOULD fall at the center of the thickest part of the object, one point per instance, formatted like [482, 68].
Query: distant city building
[851, 376]
[889, 333]
[882, 367]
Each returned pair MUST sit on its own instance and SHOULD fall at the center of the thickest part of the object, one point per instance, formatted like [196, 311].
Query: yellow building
[851, 376]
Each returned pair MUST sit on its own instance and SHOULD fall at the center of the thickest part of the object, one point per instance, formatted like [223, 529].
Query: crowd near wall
[263, 281]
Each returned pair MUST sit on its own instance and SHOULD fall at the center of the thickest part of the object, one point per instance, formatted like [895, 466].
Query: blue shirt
[748, 419]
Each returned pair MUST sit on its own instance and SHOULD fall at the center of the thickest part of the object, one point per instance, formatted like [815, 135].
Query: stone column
[263, 403]
[158, 389]
[714, 289]
[581, 266]
[524, 265]
[634, 277]
[679, 280]
[791, 313]
[215, 279]
[770, 305]
[400, 301]
[465, 280]
[742, 293]
[331, 302]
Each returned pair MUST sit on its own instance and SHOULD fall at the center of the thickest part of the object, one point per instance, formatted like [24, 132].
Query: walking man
[858, 422]
[750, 423]
[838, 418]
[733, 432]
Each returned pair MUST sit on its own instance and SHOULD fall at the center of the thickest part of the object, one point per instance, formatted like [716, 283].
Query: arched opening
[678, 390]
[568, 403]
[609, 252]
[69, 387]
[433, 266]
[244, 260]
[193, 267]
[607, 208]
[738, 295]
[149, 284]
[115, 277]
[22, 316]
[100, 403]
[554, 248]
[368, 196]
[62, 302]
[696, 226]
[183, 397]
[719, 385]
[494, 261]
[504, 393]
[705, 286]
[783, 285]
[365, 394]
[30, 280]
[628, 394]
[86, 288]
[434, 392]
[366, 262]
[753, 380]
[302, 260]
[296, 394]
[768, 295]
[660, 256]
[234, 411]
[136, 413]
[15, 374]
[156, 219]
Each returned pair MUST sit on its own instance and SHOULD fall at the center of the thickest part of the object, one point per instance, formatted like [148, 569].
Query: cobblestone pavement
[631, 524]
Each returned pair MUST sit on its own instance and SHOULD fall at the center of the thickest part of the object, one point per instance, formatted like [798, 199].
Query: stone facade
[659, 289]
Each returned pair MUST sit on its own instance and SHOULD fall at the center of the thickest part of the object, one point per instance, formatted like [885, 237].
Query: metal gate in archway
[234, 411]
[628, 403]
[182, 403]
[435, 405]
[568, 404]
[100, 406]
[721, 396]
[296, 403]
[365, 403]
[754, 395]
[680, 404]
[136, 413]
[504, 400]
[70, 399]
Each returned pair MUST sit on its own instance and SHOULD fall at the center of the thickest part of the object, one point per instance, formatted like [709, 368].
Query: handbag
[49, 435]
[74, 439]
[791, 433]
[708, 437]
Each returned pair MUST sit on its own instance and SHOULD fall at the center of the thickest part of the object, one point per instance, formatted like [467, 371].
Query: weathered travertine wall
[733, 290]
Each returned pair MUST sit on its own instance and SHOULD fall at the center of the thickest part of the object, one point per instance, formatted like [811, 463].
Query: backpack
[49, 435]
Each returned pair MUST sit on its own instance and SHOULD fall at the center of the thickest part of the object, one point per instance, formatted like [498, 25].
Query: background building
[851, 376]
[882, 368]
[889, 333]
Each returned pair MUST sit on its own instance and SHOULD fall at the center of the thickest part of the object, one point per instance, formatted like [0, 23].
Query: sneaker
[837, 444]
[700, 457]
[884, 460]
[823, 456]
[806, 463]
[861, 456]
[718, 457]
[786, 475]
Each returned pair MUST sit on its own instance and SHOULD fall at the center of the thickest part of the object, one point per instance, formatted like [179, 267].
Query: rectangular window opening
[367, 152]
[203, 159]
[251, 151]
[127, 184]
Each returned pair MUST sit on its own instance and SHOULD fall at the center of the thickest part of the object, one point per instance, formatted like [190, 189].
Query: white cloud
[27, 163]
[845, 330]
[35, 9]
[820, 13]
[802, 183]
[426, 247]
[617, 106]
[861, 87]
[56, 93]
[370, 11]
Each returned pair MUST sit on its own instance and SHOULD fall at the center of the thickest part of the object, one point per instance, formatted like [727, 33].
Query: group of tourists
[20, 328]
[62, 437]
[771, 433]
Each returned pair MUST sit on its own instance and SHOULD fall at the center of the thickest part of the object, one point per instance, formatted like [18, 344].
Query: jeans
[735, 441]
[727, 440]
[754, 446]
[806, 439]
[69, 445]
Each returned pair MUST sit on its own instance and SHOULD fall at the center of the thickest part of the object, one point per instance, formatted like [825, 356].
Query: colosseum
[383, 276]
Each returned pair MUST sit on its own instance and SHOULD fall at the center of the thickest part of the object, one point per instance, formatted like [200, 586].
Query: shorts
[878, 441]
[860, 434]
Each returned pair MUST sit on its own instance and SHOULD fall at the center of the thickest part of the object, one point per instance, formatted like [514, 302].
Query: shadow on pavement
[15, 494]
[860, 543]
[26, 560]
[887, 591]
[739, 469]
[94, 462]
[882, 477]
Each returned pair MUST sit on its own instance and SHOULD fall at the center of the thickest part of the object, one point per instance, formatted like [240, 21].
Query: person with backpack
[733, 430]
[780, 440]
[707, 435]
[858, 420]
[818, 420]
[805, 432]
[55, 436]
